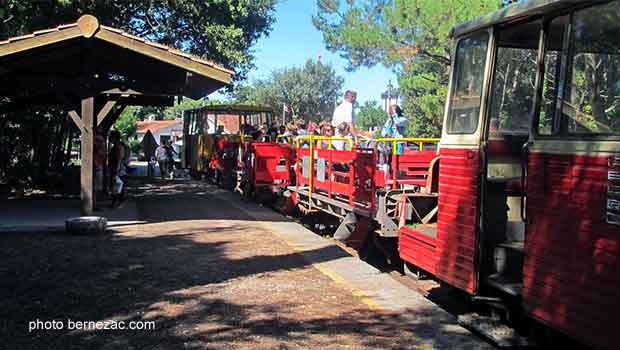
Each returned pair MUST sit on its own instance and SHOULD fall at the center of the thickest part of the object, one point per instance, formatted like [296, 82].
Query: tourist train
[518, 202]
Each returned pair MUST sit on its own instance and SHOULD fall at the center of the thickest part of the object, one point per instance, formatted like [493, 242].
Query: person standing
[170, 152]
[99, 160]
[398, 120]
[345, 112]
[161, 155]
[116, 164]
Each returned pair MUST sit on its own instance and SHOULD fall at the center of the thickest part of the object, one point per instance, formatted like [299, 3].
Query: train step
[494, 330]
[507, 266]
[509, 285]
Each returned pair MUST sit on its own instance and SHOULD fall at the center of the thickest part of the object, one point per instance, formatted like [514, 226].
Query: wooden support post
[88, 153]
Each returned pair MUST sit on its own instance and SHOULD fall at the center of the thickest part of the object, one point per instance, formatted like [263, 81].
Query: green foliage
[223, 30]
[127, 123]
[135, 147]
[371, 116]
[409, 36]
[310, 90]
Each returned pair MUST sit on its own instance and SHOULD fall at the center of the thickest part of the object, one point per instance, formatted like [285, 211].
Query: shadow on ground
[174, 200]
[198, 284]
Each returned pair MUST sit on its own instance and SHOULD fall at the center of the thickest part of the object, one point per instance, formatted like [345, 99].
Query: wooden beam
[156, 101]
[87, 168]
[131, 91]
[40, 40]
[76, 119]
[105, 110]
[112, 117]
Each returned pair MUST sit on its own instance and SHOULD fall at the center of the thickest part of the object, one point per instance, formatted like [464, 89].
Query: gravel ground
[205, 273]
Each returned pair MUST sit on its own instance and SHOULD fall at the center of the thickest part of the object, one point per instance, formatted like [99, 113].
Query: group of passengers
[342, 126]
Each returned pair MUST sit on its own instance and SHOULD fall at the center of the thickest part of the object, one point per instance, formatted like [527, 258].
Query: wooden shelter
[95, 71]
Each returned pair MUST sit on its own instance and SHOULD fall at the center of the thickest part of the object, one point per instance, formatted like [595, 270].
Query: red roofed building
[163, 131]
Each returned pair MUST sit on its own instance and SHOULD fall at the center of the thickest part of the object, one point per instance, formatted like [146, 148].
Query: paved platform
[210, 272]
[376, 289]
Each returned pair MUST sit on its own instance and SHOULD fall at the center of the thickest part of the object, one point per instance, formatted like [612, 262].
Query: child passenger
[344, 130]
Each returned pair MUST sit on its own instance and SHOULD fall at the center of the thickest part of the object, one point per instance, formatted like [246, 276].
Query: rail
[421, 141]
[314, 138]
[409, 168]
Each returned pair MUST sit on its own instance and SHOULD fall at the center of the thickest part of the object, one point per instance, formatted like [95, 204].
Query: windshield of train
[468, 78]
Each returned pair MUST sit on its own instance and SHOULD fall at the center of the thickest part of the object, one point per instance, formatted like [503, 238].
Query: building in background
[163, 131]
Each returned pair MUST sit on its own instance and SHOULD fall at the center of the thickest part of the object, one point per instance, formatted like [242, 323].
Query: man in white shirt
[345, 112]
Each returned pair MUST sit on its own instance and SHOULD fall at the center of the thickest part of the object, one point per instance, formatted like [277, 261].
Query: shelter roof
[105, 59]
[517, 12]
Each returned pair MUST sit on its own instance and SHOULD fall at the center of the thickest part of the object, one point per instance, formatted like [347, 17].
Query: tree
[409, 36]
[310, 91]
[371, 116]
[127, 123]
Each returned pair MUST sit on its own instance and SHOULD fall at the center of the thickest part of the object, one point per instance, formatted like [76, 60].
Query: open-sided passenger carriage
[362, 185]
[268, 171]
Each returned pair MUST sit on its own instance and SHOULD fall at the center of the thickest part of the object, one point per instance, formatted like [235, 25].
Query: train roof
[517, 12]
[234, 108]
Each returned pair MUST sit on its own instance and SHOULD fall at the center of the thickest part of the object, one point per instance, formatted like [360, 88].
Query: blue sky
[294, 39]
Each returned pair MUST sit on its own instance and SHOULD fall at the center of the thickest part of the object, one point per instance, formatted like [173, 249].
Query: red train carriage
[268, 171]
[361, 185]
[528, 195]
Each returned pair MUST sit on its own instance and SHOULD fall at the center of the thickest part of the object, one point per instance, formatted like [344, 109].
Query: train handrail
[421, 141]
[395, 140]
[313, 138]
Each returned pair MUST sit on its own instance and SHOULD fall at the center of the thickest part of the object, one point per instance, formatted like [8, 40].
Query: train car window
[592, 100]
[470, 63]
[514, 82]
[555, 38]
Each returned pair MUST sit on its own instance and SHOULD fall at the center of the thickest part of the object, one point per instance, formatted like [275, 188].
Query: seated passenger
[344, 131]
[300, 124]
[327, 130]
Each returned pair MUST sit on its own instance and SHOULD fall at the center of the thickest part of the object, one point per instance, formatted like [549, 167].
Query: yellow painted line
[341, 281]
[368, 301]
